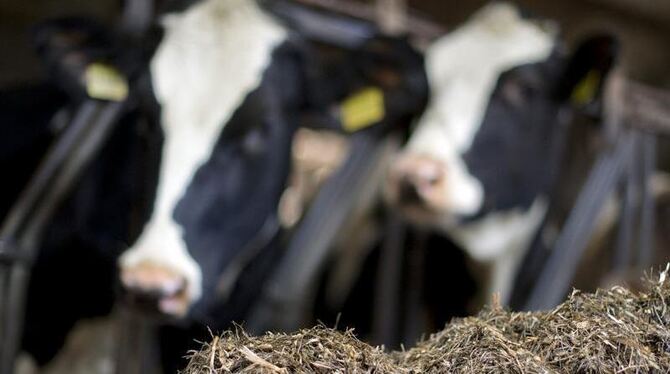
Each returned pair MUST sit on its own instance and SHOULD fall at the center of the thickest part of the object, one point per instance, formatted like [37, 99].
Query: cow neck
[211, 57]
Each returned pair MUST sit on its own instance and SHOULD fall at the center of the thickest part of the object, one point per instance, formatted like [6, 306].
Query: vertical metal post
[284, 302]
[414, 319]
[647, 226]
[136, 349]
[27, 219]
[630, 206]
[554, 281]
[385, 319]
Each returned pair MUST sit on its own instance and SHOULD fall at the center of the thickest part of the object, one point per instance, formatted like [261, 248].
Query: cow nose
[408, 192]
[418, 179]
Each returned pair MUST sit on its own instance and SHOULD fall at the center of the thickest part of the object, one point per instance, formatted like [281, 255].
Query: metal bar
[79, 157]
[7, 353]
[228, 279]
[323, 28]
[385, 319]
[283, 302]
[554, 281]
[531, 267]
[136, 351]
[9, 254]
[647, 227]
[46, 171]
[22, 211]
[417, 25]
[623, 250]
[414, 321]
[15, 288]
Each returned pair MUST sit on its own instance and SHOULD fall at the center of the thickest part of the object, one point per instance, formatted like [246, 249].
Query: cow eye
[514, 93]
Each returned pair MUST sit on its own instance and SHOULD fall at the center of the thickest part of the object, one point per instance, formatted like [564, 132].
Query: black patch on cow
[25, 134]
[516, 150]
[232, 195]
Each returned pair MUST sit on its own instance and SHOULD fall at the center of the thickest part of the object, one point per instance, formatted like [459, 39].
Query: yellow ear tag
[363, 109]
[104, 82]
[587, 89]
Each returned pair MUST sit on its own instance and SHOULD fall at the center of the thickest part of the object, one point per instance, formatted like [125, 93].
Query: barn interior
[335, 250]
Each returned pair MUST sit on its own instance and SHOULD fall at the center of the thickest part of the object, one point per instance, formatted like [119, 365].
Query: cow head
[215, 75]
[491, 138]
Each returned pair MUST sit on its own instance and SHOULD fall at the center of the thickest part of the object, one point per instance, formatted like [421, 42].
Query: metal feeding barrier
[72, 151]
[285, 301]
[21, 232]
[635, 114]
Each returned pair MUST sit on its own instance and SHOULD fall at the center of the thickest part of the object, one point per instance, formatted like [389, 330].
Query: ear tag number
[362, 109]
[104, 82]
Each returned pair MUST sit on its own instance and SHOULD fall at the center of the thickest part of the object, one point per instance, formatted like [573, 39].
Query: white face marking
[462, 69]
[499, 233]
[211, 57]
[501, 239]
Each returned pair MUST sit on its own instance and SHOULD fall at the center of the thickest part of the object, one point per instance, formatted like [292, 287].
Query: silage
[316, 350]
[610, 331]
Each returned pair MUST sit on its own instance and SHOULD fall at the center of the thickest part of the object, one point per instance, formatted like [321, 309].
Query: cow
[212, 56]
[190, 182]
[218, 64]
[219, 194]
[483, 159]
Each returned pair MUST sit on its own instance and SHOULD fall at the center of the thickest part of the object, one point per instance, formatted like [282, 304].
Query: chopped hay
[612, 331]
[316, 350]
[472, 346]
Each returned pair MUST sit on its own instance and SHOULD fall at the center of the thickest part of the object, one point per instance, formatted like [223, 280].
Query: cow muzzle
[417, 182]
[155, 290]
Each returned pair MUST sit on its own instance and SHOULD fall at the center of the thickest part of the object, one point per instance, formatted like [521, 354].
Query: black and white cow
[220, 63]
[227, 67]
[205, 192]
[484, 157]
[194, 173]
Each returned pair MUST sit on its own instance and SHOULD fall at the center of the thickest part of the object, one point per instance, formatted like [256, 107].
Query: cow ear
[587, 69]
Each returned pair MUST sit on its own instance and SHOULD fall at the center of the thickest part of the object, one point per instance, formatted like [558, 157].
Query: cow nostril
[429, 173]
[408, 191]
[418, 179]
